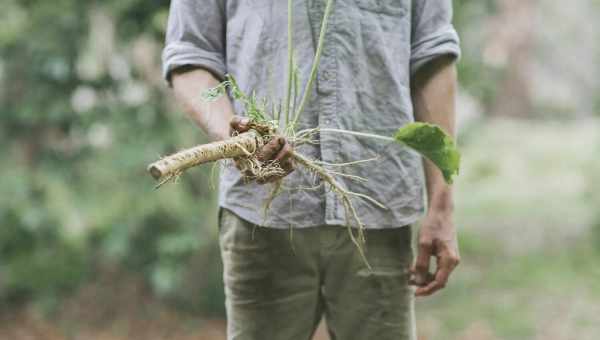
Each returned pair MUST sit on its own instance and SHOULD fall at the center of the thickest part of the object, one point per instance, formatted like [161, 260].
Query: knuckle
[278, 139]
[428, 292]
[424, 243]
[455, 260]
[265, 153]
[421, 266]
[235, 122]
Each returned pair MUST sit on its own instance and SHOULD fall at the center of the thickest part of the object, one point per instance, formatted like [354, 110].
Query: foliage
[36, 260]
[432, 142]
[82, 113]
[476, 76]
[254, 108]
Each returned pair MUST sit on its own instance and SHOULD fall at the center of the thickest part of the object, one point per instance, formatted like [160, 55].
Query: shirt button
[327, 75]
[327, 121]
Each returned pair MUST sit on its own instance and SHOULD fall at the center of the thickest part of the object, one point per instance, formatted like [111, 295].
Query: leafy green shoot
[433, 143]
[255, 108]
[216, 92]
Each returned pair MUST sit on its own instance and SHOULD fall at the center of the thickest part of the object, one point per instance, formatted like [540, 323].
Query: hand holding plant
[277, 150]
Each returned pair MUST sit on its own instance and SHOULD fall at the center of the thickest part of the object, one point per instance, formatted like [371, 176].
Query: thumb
[240, 124]
[420, 269]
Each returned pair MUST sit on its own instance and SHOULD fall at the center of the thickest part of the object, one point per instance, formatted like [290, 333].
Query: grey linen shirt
[372, 48]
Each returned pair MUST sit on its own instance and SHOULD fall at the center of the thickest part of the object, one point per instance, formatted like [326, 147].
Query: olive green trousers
[279, 284]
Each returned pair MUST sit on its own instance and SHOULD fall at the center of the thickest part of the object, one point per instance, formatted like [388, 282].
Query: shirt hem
[250, 216]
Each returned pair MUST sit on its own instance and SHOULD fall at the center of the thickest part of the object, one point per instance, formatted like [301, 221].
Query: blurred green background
[88, 250]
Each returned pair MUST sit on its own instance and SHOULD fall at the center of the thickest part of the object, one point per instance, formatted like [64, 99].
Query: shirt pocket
[391, 7]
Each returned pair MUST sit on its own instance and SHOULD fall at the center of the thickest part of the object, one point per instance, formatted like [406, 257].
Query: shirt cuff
[441, 43]
[179, 54]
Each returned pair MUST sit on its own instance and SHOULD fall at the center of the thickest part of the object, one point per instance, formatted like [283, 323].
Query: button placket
[326, 81]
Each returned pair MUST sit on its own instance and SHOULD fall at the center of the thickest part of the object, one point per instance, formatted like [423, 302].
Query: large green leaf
[432, 142]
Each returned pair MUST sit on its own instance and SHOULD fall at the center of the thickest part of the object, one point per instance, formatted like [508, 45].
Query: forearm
[212, 117]
[434, 96]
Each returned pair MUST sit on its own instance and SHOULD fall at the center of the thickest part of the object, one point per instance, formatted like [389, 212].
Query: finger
[284, 157]
[432, 286]
[271, 149]
[412, 280]
[440, 281]
[421, 268]
[243, 168]
[240, 124]
[285, 152]
[445, 265]
[287, 165]
[429, 289]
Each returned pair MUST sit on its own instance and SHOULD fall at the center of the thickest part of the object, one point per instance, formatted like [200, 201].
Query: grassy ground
[527, 201]
[527, 213]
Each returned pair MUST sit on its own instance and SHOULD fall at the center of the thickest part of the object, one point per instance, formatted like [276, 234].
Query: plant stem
[315, 65]
[359, 134]
[295, 85]
[290, 63]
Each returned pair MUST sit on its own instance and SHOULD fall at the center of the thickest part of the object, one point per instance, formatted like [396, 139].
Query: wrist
[441, 202]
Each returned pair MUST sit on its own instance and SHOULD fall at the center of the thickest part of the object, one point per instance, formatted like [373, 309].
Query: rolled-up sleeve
[195, 36]
[433, 34]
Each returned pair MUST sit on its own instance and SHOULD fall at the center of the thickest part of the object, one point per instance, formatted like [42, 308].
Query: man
[384, 63]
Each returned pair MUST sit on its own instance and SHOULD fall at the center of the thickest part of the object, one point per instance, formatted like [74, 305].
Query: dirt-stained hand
[277, 149]
[437, 238]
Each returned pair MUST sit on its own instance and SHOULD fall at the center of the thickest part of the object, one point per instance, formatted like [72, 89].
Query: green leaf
[255, 109]
[433, 143]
